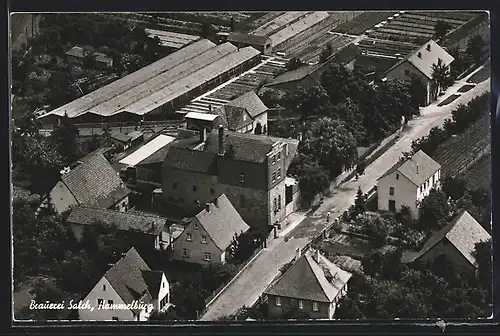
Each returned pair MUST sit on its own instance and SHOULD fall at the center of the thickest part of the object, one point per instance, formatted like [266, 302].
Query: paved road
[253, 280]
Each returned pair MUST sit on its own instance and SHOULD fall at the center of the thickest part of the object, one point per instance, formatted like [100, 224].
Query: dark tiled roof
[95, 183]
[250, 102]
[153, 281]
[125, 221]
[222, 222]
[121, 137]
[418, 169]
[232, 117]
[463, 233]
[295, 75]
[191, 160]
[347, 54]
[307, 279]
[248, 38]
[127, 279]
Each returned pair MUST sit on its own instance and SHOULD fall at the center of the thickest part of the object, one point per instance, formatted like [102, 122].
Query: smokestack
[297, 253]
[222, 148]
[207, 207]
[203, 134]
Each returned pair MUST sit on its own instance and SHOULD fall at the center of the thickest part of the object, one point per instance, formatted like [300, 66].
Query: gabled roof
[247, 38]
[418, 169]
[295, 75]
[347, 54]
[135, 135]
[191, 160]
[307, 279]
[222, 222]
[127, 279]
[464, 232]
[153, 281]
[250, 102]
[424, 57]
[94, 182]
[121, 137]
[125, 221]
[232, 117]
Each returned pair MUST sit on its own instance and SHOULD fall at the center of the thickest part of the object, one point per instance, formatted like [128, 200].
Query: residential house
[149, 229]
[77, 54]
[245, 114]
[456, 242]
[346, 56]
[128, 291]
[249, 169]
[312, 284]
[420, 64]
[120, 141]
[408, 182]
[259, 42]
[136, 137]
[90, 182]
[210, 233]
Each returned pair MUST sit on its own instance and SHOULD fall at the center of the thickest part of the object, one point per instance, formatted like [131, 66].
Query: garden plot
[362, 22]
[312, 51]
[478, 175]
[386, 48]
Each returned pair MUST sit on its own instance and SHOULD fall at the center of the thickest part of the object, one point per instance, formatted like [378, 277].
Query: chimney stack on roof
[207, 207]
[222, 148]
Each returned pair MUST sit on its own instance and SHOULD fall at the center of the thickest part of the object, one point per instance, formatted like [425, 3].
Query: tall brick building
[249, 169]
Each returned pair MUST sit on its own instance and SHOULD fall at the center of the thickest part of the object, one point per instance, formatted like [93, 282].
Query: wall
[324, 309]
[163, 292]
[425, 189]
[451, 253]
[405, 193]
[255, 210]
[195, 248]
[149, 174]
[262, 119]
[278, 214]
[399, 73]
[61, 198]
[122, 205]
[103, 314]
[183, 195]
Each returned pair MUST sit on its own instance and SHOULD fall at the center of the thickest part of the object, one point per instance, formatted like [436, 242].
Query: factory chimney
[222, 148]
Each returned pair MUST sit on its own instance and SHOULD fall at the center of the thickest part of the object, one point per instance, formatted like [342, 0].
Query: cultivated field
[478, 175]
[386, 48]
[458, 153]
[362, 22]
[310, 52]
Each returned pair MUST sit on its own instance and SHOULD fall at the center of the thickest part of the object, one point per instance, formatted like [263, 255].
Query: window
[278, 301]
[207, 256]
[242, 178]
[433, 179]
[397, 176]
[275, 207]
[279, 202]
[100, 302]
[242, 201]
[274, 176]
[278, 157]
[301, 304]
[204, 239]
[195, 225]
[115, 318]
[195, 188]
[391, 191]
[163, 285]
[103, 287]
[110, 302]
[274, 159]
[174, 185]
[315, 306]
[184, 253]
[123, 204]
[189, 237]
[244, 117]
[279, 174]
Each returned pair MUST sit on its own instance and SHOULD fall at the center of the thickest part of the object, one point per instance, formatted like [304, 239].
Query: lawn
[465, 88]
[482, 74]
[448, 100]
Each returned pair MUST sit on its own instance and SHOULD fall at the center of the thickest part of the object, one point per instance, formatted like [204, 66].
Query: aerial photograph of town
[251, 166]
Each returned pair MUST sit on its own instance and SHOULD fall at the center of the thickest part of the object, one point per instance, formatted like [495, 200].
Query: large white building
[407, 183]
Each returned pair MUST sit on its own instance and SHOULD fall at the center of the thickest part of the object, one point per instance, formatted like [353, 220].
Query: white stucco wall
[61, 198]
[405, 193]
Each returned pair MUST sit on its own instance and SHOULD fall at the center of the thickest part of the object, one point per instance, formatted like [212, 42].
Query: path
[250, 283]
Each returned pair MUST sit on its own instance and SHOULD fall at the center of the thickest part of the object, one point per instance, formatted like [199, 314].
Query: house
[456, 242]
[120, 141]
[259, 42]
[210, 233]
[312, 284]
[249, 169]
[408, 182]
[245, 114]
[90, 182]
[136, 137]
[346, 56]
[304, 77]
[420, 64]
[128, 291]
[77, 54]
[150, 229]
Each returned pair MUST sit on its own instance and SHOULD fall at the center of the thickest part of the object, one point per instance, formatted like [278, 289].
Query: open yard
[482, 74]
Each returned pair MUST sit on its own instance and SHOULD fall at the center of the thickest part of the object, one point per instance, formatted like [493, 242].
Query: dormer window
[244, 117]
[419, 55]
[242, 178]
[428, 47]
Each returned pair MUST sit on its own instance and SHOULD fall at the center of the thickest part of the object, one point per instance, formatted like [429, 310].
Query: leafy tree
[65, 138]
[441, 75]
[313, 178]
[454, 187]
[294, 63]
[483, 254]
[284, 128]
[340, 83]
[475, 48]
[208, 30]
[360, 167]
[270, 98]
[326, 53]
[372, 263]
[441, 28]
[314, 101]
[349, 112]
[434, 211]
[296, 314]
[359, 203]
[404, 216]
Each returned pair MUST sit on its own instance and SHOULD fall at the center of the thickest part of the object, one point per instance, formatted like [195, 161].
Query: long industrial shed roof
[277, 23]
[163, 80]
[298, 27]
[119, 86]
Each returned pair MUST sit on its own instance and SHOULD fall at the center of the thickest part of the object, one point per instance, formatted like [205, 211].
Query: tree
[434, 211]
[313, 178]
[65, 139]
[294, 63]
[207, 30]
[372, 263]
[404, 216]
[360, 167]
[454, 187]
[475, 48]
[441, 75]
[326, 53]
[483, 253]
[313, 102]
[359, 203]
[258, 128]
[441, 28]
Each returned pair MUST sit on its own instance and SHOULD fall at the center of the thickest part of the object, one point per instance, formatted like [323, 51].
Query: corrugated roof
[124, 221]
[127, 279]
[222, 222]
[307, 279]
[418, 169]
[95, 183]
[248, 38]
[464, 232]
[298, 27]
[128, 82]
[147, 149]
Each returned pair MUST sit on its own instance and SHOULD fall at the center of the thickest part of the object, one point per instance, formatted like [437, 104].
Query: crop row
[362, 22]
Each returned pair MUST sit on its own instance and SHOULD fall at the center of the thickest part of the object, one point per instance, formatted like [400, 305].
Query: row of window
[276, 158]
[427, 183]
[189, 236]
[301, 304]
[277, 175]
[277, 203]
[186, 255]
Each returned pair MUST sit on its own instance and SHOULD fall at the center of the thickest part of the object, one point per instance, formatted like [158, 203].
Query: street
[253, 280]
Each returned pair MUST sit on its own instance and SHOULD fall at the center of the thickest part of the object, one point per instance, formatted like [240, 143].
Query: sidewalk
[293, 220]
